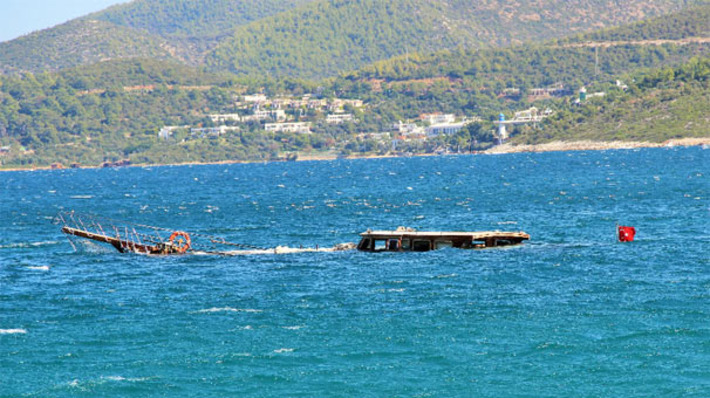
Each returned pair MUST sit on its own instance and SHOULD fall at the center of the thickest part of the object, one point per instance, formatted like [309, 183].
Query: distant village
[306, 115]
[300, 115]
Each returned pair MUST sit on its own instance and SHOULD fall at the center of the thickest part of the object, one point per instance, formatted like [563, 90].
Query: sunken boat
[410, 240]
[128, 237]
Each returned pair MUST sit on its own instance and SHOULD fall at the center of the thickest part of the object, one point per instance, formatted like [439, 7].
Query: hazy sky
[19, 17]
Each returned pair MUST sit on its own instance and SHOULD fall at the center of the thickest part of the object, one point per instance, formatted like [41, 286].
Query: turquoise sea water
[572, 313]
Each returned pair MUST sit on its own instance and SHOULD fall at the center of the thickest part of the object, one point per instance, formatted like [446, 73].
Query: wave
[82, 196]
[13, 331]
[225, 309]
[128, 379]
[24, 245]
[282, 350]
[283, 250]
[292, 327]
[39, 267]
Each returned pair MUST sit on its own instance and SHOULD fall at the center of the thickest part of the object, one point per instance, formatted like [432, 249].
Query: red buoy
[626, 234]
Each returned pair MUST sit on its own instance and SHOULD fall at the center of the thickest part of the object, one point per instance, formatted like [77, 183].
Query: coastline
[554, 146]
[561, 146]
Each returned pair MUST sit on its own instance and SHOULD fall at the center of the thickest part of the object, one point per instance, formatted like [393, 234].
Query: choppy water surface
[571, 313]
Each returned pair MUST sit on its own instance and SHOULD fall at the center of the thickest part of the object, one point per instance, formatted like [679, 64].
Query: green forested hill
[79, 42]
[664, 103]
[181, 30]
[309, 38]
[575, 61]
[693, 21]
[113, 109]
[327, 37]
[88, 116]
[190, 18]
[136, 72]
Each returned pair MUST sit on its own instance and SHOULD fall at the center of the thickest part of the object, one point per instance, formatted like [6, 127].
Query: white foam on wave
[445, 276]
[284, 250]
[13, 331]
[292, 327]
[121, 378]
[282, 350]
[21, 245]
[39, 267]
[82, 196]
[226, 309]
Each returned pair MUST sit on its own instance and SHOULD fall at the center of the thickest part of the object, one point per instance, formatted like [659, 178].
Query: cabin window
[380, 244]
[393, 245]
[364, 244]
[406, 244]
[421, 246]
[442, 244]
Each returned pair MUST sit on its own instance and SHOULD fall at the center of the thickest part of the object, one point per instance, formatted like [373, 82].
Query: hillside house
[221, 118]
[437, 118]
[297, 127]
[338, 118]
[203, 132]
[436, 130]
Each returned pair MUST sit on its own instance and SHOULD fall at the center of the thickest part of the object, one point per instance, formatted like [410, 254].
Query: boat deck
[409, 240]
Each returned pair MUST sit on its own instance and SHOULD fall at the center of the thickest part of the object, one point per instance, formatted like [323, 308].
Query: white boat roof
[474, 235]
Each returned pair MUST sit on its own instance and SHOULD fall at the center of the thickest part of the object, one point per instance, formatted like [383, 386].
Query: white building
[438, 118]
[212, 131]
[255, 98]
[266, 114]
[167, 131]
[338, 118]
[406, 129]
[444, 129]
[219, 118]
[299, 127]
[273, 114]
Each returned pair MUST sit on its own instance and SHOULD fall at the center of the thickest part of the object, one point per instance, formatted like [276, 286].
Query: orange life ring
[183, 245]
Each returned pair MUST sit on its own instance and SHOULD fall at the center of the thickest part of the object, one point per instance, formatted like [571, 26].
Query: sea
[570, 313]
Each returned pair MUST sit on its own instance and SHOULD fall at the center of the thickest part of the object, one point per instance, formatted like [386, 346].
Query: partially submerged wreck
[407, 239]
[127, 237]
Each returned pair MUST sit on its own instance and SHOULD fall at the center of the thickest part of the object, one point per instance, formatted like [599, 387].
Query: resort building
[338, 118]
[220, 118]
[443, 129]
[298, 127]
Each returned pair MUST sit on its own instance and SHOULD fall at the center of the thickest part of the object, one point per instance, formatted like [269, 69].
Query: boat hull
[420, 241]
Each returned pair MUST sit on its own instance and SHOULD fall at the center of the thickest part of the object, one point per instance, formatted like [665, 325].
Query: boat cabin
[407, 239]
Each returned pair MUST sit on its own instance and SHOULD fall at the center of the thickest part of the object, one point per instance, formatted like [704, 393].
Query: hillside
[329, 37]
[308, 38]
[188, 18]
[572, 61]
[114, 109]
[192, 27]
[181, 30]
[79, 42]
[665, 103]
[693, 21]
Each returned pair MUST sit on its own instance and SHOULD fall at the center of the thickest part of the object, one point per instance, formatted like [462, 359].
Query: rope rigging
[128, 236]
